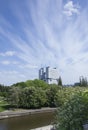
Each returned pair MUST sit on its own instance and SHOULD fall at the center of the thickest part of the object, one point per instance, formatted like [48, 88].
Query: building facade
[49, 75]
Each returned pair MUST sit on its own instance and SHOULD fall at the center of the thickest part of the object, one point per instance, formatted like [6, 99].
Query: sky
[40, 33]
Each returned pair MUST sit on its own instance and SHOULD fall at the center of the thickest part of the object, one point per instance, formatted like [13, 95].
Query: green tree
[13, 97]
[73, 114]
[83, 81]
[59, 81]
[20, 85]
[51, 95]
[32, 97]
[40, 83]
[4, 90]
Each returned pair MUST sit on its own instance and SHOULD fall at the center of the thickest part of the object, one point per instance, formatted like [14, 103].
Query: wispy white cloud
[8, 62]
[5, 62]
[8, 53]
[70, 8]
[12, 76]
[46, 37]
[28, 66]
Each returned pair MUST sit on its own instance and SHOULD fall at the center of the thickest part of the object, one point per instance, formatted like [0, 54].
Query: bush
[74, 113]
[51, 93]
[32, 98]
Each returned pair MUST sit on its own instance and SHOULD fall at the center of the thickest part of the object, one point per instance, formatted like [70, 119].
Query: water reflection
[27, 122]
[3, 126]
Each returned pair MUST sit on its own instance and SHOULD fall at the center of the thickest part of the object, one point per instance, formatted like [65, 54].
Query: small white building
[49, 75]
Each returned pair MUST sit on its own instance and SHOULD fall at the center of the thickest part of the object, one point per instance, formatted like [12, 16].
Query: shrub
[74, 113]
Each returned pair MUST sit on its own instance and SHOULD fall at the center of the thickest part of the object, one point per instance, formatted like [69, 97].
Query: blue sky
[40, 33]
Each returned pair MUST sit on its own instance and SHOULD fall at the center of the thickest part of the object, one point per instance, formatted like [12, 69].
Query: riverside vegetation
[72, 102]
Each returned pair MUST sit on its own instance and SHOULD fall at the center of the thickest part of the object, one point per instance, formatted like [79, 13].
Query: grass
[3, 104]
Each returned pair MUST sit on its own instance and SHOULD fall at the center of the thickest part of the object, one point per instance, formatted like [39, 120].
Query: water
[27, 122]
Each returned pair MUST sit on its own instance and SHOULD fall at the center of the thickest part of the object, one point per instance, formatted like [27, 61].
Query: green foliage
[29, 83]
[4, 90]
[40, 83]
[83, 82]
[60, 81]
[32, 98]
[37, 94]
[51, 95]
[3, 104]
[20, 84]
[74, 113]
[65, 93]
[13, 97]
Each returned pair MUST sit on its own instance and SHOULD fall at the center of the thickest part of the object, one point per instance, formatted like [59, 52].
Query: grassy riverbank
[21, 112]
[3, 104]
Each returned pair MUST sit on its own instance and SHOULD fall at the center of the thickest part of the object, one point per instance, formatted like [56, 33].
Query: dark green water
[27, 122]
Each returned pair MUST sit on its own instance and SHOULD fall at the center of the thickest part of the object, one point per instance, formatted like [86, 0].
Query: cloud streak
[45, 36]
[8, 53]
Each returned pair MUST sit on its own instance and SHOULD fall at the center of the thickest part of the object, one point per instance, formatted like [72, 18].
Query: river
[27, 122]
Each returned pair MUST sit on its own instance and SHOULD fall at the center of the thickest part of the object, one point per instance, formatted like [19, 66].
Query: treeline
[33, 94]
[82, 82]
[4, 90]
[72, 102]
[37, 94]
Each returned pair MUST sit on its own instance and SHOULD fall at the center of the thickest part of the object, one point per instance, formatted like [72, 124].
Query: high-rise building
[49, 75]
